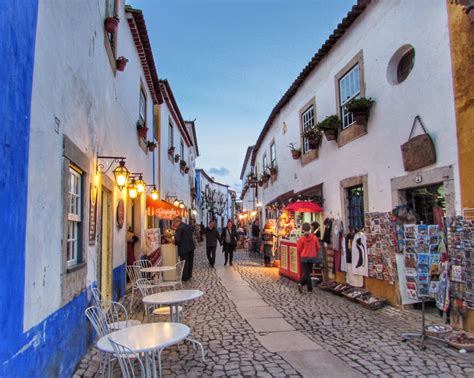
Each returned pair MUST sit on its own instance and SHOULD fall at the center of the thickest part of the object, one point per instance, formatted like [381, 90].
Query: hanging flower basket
[141, 129]
[111, 24]
[176, 158]
[360, 108]
[265, 178]
[121, 63]
[171, 151]
[151, 146]
[182, 163]
[186, 170]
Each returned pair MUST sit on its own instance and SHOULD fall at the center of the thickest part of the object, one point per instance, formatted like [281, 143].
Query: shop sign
[92, 214]
[284, 257]
[120, 213]
[293, 260]
[162, 209]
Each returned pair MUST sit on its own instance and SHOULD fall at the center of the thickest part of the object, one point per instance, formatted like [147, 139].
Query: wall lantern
[140, 184]
[194, 212]
[181, 205]
[176, 202]
[132, 190]
[121, 172]
[155, 194]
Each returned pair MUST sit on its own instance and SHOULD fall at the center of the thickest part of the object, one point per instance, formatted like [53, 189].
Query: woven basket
[347, 294]
[441, 334]
[372, 306]
[451, 340]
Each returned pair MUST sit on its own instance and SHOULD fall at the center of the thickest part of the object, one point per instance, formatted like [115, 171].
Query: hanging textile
[327, 231]
[343, 255]
[360, 261]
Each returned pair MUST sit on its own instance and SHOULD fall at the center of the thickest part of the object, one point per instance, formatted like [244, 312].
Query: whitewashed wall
[98, 112]
[382, 29]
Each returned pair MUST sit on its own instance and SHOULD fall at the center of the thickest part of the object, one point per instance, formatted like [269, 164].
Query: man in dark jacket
[255, 233]
[212, 237]
[229, 239]
[184, 240]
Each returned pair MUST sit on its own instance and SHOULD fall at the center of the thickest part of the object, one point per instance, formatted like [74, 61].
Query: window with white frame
[307, 122]
[349, 88]
[181, 149]
[142, 106]
[264, 163]
[170, 133]
[273, 159]
[74, 217]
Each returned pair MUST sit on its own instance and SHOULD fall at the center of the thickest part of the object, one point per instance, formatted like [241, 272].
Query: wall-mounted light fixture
[121, 172]
[155, 194]
[132, 189]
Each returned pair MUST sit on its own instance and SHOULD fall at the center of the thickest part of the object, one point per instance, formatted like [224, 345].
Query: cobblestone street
[339, 337]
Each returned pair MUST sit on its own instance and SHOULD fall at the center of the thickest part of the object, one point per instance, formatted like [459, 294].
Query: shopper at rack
[308, 247]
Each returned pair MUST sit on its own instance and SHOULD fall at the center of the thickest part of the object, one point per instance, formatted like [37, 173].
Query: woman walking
[229, 239]
[308, 247]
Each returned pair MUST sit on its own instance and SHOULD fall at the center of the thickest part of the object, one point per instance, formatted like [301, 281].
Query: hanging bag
[419, 151]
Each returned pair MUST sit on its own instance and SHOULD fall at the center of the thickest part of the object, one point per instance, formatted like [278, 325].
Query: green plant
[140, 124]
[360, 105]
[293, 148]
[330, 123]
[314, 136]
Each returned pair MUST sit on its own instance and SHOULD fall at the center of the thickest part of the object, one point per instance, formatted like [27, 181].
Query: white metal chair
[126, 358]
[96, 296]
[133, 272]
[179, 277]
[142, 263]
[146, 288]
[98, 320]
[117, 316]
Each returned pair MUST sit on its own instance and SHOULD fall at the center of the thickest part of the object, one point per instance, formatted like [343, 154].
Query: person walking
[255, 233]
[308, 247]
[185, 242]
[212, 236]
[267, 239]
[229, 239]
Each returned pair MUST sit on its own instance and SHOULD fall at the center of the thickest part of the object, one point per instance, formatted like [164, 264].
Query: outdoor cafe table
[172, 298]
[147, 338]
[158, 269]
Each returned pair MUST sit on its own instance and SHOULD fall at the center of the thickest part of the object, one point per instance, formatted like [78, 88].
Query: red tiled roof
[142, 43]
[337, 34]
[168, 96]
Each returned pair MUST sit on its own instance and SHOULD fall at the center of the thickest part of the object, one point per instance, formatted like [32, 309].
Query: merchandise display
[381, 246]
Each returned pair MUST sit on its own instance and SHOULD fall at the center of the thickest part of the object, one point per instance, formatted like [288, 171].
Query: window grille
[355, 207]
[307, 122]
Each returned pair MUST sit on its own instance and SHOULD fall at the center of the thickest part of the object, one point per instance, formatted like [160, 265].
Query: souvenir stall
[293, 216]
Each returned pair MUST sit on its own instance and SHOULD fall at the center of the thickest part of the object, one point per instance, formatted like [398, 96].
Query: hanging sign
[120, 213]
[92, 214]
[162, 209]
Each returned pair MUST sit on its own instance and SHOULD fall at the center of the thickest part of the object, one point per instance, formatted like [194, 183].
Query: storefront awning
[304, 207]
[162, 209]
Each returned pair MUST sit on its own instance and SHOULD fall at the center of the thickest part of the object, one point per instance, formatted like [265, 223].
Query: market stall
[290, 221]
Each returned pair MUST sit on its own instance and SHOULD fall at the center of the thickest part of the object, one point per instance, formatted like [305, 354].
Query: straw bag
[419, 151]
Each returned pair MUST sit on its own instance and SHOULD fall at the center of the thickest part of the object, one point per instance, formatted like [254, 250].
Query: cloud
[219, 171]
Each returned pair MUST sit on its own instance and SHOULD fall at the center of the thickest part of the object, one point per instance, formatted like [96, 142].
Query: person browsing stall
[308, 247]
[185, 242]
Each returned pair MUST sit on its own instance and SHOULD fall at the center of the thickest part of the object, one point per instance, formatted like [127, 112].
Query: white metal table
[173, 299]
[147, 338]
[158, 269]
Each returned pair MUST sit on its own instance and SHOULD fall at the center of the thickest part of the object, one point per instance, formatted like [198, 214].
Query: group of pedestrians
[227, 239]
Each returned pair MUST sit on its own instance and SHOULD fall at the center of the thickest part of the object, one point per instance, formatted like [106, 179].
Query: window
[142, 106]
[273, 154]
[307, 122]
[349, 88]
[170, 133]
[405, 65]
[355, 207]
[264, 162]
[181, 149]
[110, 11]
[74, 220]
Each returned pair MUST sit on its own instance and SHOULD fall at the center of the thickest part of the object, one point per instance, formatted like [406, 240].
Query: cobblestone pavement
[367, 341]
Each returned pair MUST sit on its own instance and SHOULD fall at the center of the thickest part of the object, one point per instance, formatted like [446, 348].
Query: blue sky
[230, 61]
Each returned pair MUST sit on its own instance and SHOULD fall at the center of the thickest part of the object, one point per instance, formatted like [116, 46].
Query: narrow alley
[253, 322]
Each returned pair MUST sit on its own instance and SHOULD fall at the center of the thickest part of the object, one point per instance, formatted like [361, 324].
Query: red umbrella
[304, 207]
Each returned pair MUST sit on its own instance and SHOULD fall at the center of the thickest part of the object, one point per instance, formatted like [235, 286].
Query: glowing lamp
[154, 194]
[140, 185]
[176, 202]
[132, 190]
[181, 205]
[121, 175]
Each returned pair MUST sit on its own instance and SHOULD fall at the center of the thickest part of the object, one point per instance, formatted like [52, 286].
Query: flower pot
[313, 144]
[182, 163]
[296, 154]
[121, 63]
[176, 158]
[360, 118]
[151, 147]
[265, 178]
[111, 24]
[171, 151]
[331, 134]
[186, 170]
[142, 131]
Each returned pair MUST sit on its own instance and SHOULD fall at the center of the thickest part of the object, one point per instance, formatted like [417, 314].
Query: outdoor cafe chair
[134, 273]
[179, 277]
[126, 358]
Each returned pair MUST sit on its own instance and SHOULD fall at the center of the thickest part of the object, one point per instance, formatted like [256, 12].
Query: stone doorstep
[270, 325]
[258, 312]
[290, 341]
[319, 363]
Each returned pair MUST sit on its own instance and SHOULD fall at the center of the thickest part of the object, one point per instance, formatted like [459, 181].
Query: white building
[178, 151]
[82, 107]
[249, 193]
[398, 53]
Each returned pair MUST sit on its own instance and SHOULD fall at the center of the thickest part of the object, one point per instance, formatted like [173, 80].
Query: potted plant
[121, 63]
[171, 151]
[330, 126]
[182, 163]
[186, 170]
[151, 145]
[266, 175]
[141, 128]
[111, 24]
[360, 107]
[314, 136]
[295, 152]
[177, 158]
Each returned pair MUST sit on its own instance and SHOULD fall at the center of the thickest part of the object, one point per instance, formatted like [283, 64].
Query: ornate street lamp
[155, 194]
[140, 184]
[132, 190]
[121, 172]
